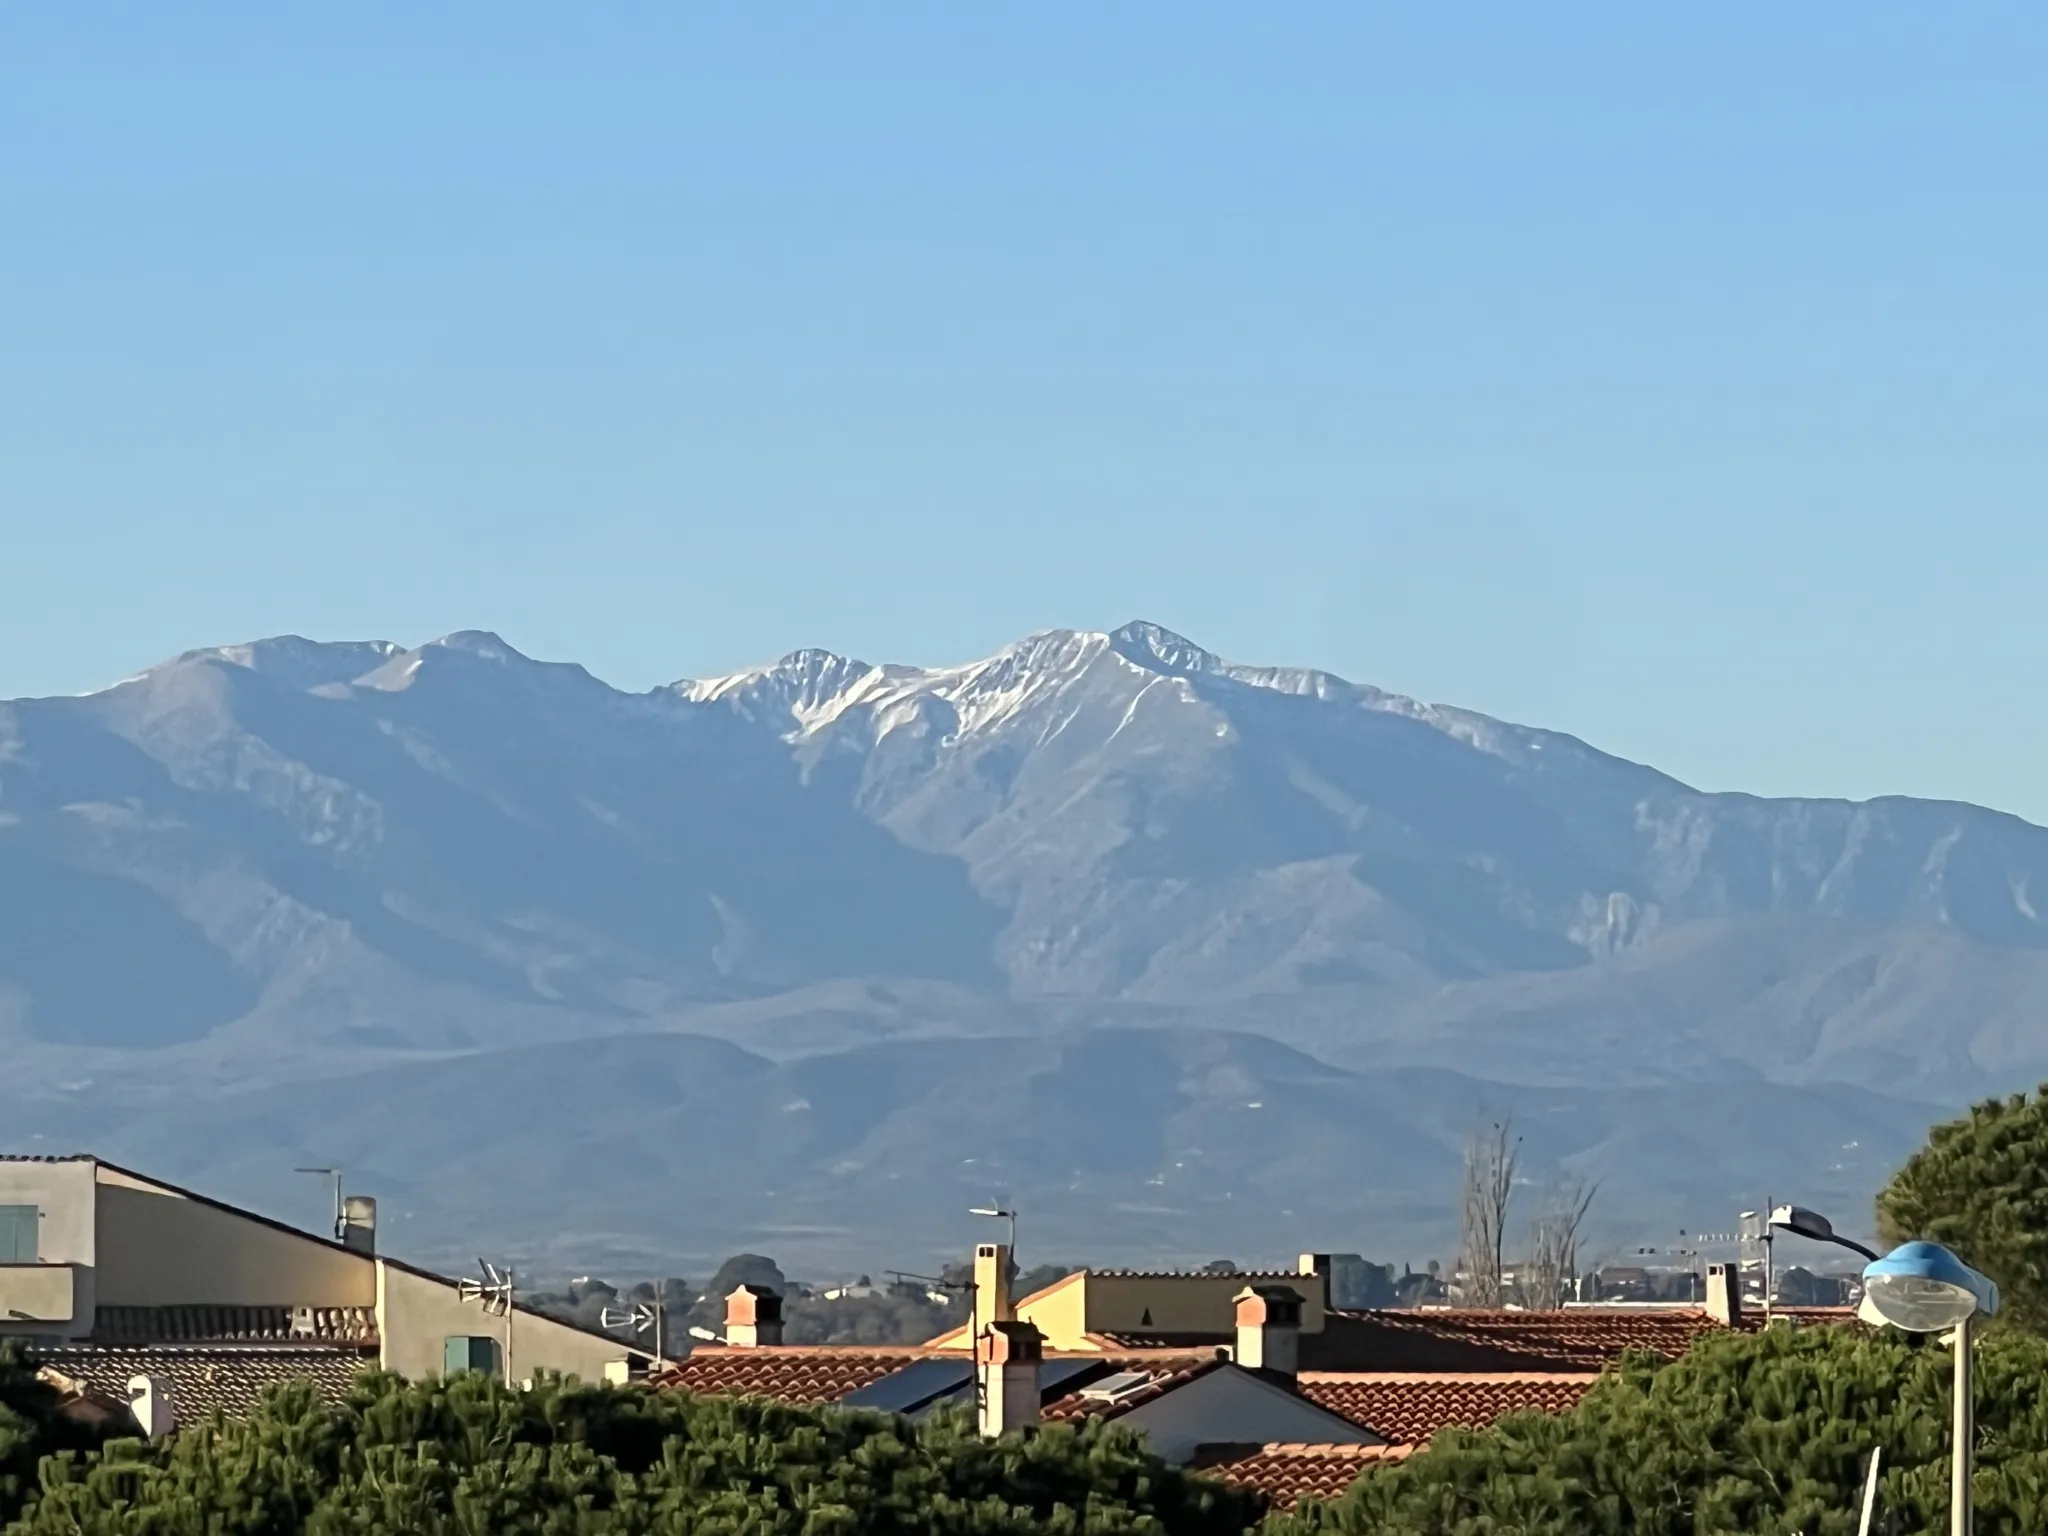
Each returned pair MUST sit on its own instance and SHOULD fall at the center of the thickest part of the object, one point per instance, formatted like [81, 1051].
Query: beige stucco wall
[157, 1248]
[63, 1194]
[40, 1294]
[416, 1314]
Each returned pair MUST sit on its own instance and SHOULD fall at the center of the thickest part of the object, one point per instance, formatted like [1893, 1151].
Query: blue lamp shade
[1924, 1288]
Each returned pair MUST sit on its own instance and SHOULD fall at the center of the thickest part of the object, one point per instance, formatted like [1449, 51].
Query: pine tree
[1980, 1186]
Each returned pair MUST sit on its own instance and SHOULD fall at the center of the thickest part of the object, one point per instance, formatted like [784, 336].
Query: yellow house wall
[1061, 1314]
[417, 1314]
[156, 1248]
[1085, 1303]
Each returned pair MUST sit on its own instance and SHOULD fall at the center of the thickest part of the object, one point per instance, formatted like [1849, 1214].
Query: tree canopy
[31, 1427]
[1980, 1186]
[1763, 1434]
[468, 1456]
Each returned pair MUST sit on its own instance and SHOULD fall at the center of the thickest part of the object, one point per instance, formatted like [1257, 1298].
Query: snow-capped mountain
[287, 860]
[1116, 818]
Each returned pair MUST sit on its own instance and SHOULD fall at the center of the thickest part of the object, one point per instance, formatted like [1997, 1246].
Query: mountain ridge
[270, 867]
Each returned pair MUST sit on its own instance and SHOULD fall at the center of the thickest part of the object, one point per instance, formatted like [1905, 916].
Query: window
[18, 1234]
[467, 1352]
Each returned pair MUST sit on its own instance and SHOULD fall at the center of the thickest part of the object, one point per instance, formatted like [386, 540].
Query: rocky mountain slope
[259, 868]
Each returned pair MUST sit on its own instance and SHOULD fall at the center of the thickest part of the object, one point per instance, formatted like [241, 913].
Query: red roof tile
[1410, 1406]
[798, 1373]
[1286, 1474]
[1428, 1339]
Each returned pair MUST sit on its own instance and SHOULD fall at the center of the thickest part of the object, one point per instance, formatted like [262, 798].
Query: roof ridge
[1448, 1377]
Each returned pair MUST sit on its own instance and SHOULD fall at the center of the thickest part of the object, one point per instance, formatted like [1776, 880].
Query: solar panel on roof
[1056, 1373]
[912, 1387]
[1115, 1388]
[961, 1396]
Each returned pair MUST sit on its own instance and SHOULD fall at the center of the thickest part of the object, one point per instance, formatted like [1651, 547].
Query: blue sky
[1669, 375]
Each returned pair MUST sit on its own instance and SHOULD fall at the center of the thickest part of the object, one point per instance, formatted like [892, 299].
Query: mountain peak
[292, 661]
[480, 643]
[1156, 647]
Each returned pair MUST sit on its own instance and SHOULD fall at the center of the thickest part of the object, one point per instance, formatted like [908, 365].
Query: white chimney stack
[1269, 1329]
[1724, 1294]
[1007, 1359]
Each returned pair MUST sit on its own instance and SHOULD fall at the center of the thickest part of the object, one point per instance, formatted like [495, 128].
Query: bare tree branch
[1492, 1153]
[1553, 1267]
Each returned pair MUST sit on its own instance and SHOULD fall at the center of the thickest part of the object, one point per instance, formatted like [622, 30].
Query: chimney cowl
[1269, 1329]
[753, 1317]
[359, 1224]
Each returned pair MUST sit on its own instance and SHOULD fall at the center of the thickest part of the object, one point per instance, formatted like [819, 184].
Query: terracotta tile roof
[1458, 1340]
[230, 1377]
[1287, 1474]
[1126, 1340]
[198, 1324]
[800, 1373]
[1410, 1406]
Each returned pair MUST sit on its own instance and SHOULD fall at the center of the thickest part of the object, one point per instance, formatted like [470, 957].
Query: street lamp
[1801, 1222]
[1923, 1288]
[998, 1213]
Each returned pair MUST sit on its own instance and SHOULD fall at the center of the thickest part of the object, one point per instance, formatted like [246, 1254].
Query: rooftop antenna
[496, 1294]
[340, 1226]
[644, 1317]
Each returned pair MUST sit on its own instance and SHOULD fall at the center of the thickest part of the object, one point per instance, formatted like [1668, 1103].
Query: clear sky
[1672, 375]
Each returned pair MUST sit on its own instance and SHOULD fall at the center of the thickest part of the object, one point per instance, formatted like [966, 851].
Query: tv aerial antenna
[497, 1293]
[340, 1225]
[642, 1317]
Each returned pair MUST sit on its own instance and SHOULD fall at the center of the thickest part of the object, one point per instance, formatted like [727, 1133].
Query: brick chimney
[753, 1317]
[1269, 1329]
[1006, 1365]
[992, 1302]
[1724, 1294]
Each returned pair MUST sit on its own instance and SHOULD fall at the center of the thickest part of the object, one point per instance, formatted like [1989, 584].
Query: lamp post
[999, 1213]
[1801, 1222]
[1924, 1288]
